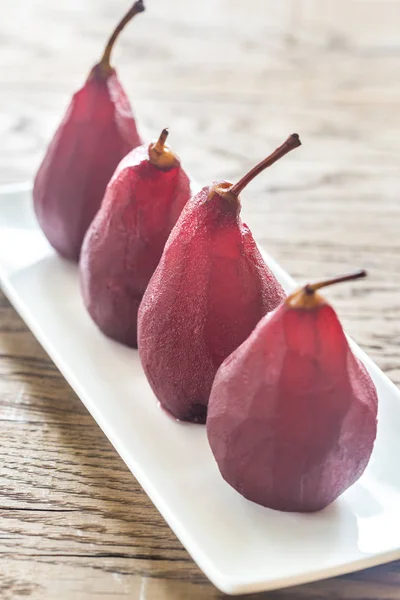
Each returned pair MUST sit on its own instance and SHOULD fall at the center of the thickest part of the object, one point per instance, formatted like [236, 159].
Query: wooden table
[231, 79]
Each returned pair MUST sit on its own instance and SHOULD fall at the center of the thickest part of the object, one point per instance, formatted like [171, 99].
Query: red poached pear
[293, 413]
[97, 131]
[125, 242]
[207, 294]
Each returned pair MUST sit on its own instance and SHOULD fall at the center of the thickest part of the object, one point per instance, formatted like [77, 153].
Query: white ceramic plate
[240, 546]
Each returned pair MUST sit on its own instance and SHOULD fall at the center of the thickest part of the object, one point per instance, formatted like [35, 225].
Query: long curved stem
[311, 288]
[137, 8]
[291, 143]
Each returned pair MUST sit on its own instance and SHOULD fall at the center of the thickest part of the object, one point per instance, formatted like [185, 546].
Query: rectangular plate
[240, 546]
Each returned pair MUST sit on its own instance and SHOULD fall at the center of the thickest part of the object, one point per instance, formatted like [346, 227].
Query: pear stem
[137, 8]
[290, 144]
[311, 288]
[159, 146]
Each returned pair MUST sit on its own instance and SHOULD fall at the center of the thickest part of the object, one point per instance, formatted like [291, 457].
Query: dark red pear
[293, 413]
[126, 239]
[209, 291]
[97, 131]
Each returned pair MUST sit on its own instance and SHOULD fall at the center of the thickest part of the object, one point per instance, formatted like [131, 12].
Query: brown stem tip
[137, 8]
[160, 155]
[290, 144]
[311, 288]
[159, 146]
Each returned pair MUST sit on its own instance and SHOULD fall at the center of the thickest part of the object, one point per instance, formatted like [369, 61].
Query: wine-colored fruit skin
[293, 413]
[207, 294]
[97, 131]
[126, 239]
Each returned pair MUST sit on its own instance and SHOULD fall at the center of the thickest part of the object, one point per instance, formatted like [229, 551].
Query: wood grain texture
[231, 79]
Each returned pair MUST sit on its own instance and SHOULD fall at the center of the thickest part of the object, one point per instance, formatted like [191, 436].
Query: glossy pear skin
[293, 413]
[126, 239]
[207, 294]
[97, 131]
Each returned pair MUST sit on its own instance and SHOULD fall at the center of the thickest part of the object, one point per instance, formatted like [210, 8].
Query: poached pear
[97, 131]
[207, 294]
[126, 238]
[293, 413]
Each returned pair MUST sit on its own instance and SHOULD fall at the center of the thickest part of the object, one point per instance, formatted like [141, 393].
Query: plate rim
[224, 584]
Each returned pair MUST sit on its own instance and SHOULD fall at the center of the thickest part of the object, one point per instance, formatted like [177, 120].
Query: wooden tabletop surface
[231, 79]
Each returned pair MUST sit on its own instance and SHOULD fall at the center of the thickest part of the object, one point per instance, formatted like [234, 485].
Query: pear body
[126, 239]
[97, 131]
[207, 294]
[293, 413]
